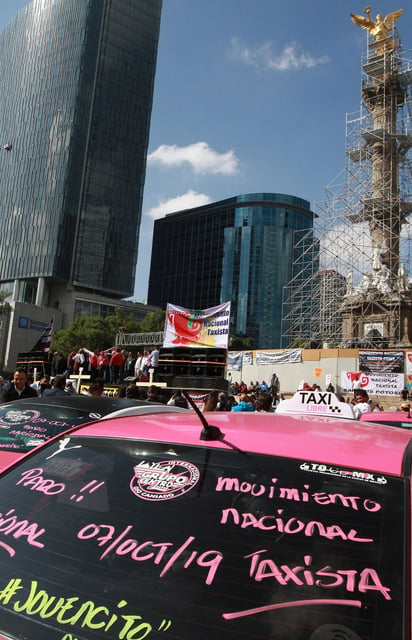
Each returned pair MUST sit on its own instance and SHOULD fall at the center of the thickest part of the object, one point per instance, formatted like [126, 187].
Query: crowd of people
[253, 397]
[111, 365]
[256, 387]
[23, 385]
[123, 369]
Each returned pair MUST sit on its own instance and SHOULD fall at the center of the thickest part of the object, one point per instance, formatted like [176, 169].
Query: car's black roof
[90, 404]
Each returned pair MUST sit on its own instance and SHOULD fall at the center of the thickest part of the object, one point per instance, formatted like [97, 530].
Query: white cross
[79, 378]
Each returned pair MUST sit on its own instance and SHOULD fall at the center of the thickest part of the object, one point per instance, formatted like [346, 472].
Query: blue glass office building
[76, 87]
[241, 249]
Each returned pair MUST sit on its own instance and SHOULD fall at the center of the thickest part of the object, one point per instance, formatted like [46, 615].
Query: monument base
[382, 322]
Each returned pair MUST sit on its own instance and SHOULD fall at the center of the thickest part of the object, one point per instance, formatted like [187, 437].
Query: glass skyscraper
[76, 87]
[241, 249]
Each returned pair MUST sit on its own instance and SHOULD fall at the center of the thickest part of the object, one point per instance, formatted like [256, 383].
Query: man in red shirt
[116, 364]
[103, 366]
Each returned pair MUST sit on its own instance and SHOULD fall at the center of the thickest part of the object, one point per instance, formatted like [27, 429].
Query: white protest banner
[197, 327]
[234, 361]
[387, 384]
[248, 357]
[279, 357]
[408, 370]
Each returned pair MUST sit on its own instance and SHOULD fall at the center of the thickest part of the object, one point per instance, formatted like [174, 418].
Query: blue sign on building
[23, 322]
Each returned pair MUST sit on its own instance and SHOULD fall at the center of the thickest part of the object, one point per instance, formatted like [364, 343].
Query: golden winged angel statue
[378, 28]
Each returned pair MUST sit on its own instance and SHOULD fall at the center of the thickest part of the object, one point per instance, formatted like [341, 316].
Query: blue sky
[249, 97]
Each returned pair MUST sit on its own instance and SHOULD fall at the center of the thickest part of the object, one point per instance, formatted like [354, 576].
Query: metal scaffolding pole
[358, 292]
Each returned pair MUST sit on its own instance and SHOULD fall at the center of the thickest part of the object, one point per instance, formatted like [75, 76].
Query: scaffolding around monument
[358, 290]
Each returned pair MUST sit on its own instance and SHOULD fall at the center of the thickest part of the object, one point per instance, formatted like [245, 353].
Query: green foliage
[96, 333]
[121, 320]
[240, 343]
[154, 321]
[93, 332]
[298, 343]
[4, 305]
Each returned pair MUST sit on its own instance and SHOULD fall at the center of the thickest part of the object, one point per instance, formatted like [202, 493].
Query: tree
[4, 305]
[240, 343]
[121, 321]
[97, 333]
[93, 332]
[154, 321]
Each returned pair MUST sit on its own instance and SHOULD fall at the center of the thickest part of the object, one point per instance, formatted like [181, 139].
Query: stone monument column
[383, 297]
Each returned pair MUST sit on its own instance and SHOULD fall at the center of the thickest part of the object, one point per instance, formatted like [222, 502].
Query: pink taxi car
[402, 419]
[27, 423]
[242, 526]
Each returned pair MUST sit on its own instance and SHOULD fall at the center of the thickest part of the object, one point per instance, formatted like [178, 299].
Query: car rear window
[396, 423]
[118, 539]
[23, 428]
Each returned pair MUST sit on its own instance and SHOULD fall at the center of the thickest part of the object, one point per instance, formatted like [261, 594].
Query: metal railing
[139, 339]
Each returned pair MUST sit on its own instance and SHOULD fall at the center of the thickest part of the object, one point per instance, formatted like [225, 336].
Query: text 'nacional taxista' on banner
[197, 328]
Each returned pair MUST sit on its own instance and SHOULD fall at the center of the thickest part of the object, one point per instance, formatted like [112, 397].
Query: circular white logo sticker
[163, 480]
[14, 417]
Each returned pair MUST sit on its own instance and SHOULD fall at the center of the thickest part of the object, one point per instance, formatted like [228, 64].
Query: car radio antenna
[209, 432]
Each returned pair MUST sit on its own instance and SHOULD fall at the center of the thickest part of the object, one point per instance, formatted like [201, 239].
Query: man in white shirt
[362, 403]
[138, 366]
[154, 363]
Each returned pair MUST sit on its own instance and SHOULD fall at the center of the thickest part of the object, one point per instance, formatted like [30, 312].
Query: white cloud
[188, 200]
[264, 59]
[198, 155]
